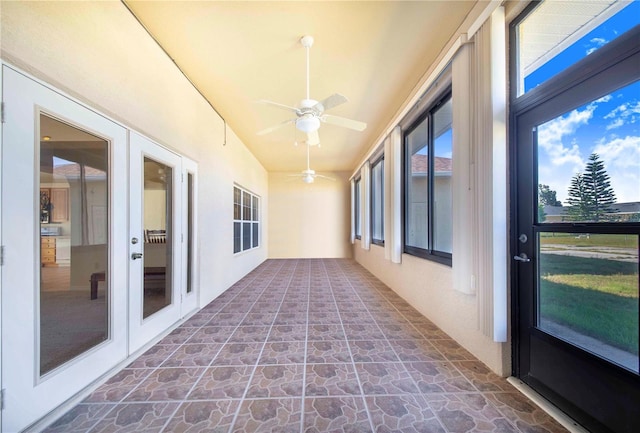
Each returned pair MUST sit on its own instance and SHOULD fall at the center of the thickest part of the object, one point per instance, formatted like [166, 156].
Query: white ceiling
[238, 52]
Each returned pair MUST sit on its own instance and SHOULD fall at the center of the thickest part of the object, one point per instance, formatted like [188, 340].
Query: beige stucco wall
[98, 53]
[309, 220]
[427, 286]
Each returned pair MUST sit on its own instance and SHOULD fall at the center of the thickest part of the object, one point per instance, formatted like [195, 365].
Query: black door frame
[607, 69]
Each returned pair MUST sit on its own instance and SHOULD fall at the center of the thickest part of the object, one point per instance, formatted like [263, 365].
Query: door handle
[522, 258]
[135, 256]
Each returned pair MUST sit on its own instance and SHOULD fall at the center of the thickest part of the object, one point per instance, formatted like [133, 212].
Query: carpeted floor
[306, 346]
[71, 322]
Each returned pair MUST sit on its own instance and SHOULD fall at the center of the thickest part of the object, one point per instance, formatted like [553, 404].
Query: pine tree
[590, 195]
[578, 199]
[599, 187]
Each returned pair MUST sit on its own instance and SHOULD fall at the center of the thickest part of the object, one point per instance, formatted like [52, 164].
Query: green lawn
[595, 297]
[555, 264]
[594, 240]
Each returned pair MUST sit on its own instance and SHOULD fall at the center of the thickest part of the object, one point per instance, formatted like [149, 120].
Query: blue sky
[608, 126]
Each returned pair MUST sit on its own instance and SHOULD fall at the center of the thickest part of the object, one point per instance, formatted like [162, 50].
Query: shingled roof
[419, 164]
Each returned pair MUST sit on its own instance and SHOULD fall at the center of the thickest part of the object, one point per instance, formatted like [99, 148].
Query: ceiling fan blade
[277, 105]
[313, 138]
[325, 177]
[330, 102]
[342, 121]
[275, 127]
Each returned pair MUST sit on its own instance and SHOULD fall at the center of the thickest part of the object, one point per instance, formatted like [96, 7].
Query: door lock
[522, 258]
[135, 256]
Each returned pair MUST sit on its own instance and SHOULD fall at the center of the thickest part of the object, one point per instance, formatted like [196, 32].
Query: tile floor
[306, 346]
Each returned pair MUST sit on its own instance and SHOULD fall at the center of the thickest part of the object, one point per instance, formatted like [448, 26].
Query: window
[246, 220]
[356, 213]
[377, 202]
[428, 152]
[555, 35]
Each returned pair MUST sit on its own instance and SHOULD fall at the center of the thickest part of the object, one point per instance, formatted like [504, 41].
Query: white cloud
[597, 42]
[552, 133]
[562, 160]
[621, 157]
[617, 123]
[624, 114]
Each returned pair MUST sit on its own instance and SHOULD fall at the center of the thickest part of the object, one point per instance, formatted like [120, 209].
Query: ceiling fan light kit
[308, 123]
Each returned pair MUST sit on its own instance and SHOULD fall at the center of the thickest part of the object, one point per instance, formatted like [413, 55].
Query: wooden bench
[150, 274]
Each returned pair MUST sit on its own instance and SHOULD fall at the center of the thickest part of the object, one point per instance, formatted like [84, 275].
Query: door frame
[610, 68]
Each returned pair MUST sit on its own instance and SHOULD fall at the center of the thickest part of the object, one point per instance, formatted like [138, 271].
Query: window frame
[427, 114]
[250, 217]
[379, 160]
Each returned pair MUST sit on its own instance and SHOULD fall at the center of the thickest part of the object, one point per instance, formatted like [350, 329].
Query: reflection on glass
[417, 194]
[589, 163]
[442, 171]
[588, 293]
[74, 227]
[357, 202]
[189, 232]
[256, 238]
[157, 235]
[237, 217]
[377, 179]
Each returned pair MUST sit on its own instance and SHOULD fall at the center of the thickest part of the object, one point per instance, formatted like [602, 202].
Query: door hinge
[2, 399]
[2, 111]
[2, 255]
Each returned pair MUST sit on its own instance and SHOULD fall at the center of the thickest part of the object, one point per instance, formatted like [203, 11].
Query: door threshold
[544, 404]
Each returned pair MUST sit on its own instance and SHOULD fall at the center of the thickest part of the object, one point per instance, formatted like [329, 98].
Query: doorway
[576, 238]
[98, 234]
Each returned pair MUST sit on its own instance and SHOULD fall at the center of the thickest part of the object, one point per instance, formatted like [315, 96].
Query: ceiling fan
[311, 113]
[308, 175]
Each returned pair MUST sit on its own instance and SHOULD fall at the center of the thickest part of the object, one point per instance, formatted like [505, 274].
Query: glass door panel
[189, 245]
[74, 250]
[155, 238]
[588, 293]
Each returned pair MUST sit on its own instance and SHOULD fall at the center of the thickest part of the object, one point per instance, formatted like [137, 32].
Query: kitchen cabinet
[48, 251]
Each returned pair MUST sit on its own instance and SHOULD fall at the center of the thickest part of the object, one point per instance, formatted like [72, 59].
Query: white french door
[155, 240]
[98, 228]
[64, 296]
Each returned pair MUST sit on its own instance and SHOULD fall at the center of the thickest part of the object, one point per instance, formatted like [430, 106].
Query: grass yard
[594, 240]
[595, 297]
